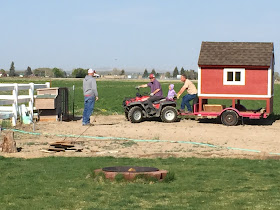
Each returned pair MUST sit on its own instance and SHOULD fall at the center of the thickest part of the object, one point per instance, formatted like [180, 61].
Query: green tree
[12, 70]
[79, 73]
[167, 74]
[157, 75]
[58, 73]
[191, 74]
[153, 72]
[43, 72]
[182, 71]
[145, 74]
[122, 72]
[28, 71]
[3, 72]
[175, 72]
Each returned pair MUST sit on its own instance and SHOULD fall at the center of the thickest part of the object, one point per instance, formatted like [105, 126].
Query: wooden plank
[51, 148]
[52, 91]
[62, 142]
[45, 103]
[213, 107]
[48, 118]
[62, 145]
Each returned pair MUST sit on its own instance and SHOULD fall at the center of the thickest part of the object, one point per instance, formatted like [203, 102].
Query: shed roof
[236, 53]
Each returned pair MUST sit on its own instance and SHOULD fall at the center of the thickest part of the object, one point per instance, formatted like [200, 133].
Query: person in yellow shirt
[192, 93]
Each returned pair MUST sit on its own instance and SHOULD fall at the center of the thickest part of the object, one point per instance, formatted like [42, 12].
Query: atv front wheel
[169, 114]
[135, 115]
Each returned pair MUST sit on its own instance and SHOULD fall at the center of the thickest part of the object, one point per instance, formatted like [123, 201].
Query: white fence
[15, 99]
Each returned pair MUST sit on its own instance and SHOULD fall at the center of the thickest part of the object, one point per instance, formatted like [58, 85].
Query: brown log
[9, 144]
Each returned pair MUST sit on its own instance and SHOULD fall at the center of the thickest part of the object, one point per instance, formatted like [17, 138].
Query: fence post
[15, 104]
[31, 102]
[48, 84]
[14, 118]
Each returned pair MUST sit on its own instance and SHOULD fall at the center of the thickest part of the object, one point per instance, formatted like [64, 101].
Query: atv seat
[161, 100]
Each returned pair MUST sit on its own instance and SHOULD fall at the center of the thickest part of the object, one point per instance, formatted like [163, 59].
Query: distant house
[236, 70]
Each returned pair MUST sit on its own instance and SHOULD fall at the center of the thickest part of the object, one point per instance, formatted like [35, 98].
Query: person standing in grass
[192, 93]
[90, 96]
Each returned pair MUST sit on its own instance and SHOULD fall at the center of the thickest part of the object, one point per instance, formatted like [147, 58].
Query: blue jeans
[186, 101]
[88, 108]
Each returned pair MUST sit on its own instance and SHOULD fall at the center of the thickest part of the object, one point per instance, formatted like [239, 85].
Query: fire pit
[130, 172]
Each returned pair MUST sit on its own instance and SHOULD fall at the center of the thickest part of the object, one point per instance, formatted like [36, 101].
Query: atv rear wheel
[135, 115]
[126, 115]
[169, 114]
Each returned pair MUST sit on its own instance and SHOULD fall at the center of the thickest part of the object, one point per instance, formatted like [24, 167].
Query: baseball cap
[90, 71]
[152, 76]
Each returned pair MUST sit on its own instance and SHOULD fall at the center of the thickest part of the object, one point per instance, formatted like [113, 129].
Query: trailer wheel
[229, 118]
[135, 115]
[169, 114]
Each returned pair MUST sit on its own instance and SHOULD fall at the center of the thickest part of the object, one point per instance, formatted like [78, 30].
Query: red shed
[236, 70]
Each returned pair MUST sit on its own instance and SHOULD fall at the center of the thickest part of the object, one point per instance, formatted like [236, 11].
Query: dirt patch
[114, 136]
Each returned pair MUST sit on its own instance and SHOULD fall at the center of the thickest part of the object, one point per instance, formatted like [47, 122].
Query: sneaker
[88, 124]
[182, 110]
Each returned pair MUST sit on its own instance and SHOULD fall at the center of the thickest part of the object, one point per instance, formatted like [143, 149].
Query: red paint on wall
[255, 82]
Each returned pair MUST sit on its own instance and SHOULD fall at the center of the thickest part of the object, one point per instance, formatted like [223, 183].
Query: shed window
[234, 76]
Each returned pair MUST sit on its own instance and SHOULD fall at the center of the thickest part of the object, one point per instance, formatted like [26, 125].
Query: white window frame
[242, 76]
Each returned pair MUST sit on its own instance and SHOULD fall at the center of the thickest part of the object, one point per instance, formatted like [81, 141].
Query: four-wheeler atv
[136, 109]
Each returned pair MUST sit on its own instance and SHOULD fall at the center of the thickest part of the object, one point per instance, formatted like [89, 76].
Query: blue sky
[128, 34]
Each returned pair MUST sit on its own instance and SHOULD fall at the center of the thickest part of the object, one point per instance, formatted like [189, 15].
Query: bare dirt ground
[113, 135]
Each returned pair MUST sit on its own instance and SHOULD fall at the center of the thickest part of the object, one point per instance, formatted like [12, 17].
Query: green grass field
[64, 183]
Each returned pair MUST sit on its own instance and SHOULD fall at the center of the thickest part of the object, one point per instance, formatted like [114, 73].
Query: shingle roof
[236, 53]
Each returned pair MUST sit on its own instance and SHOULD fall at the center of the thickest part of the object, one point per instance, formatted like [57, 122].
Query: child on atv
[171, 93]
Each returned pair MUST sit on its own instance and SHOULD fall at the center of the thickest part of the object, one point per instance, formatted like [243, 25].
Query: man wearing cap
[156, 92]
[192, 93]
[90, 96]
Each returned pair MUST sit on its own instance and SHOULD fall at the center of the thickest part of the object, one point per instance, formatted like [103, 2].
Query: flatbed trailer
[228, 115]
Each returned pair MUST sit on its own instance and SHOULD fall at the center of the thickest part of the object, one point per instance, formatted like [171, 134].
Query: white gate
[9, 104]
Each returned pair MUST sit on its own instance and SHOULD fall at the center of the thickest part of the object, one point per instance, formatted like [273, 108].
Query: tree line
[41, 72]
[190, 74]
[81, 73]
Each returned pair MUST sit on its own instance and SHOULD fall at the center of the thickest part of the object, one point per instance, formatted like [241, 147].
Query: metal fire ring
[129, 169]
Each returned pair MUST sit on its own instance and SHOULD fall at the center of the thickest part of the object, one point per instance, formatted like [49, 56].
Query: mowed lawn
[65, 183]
